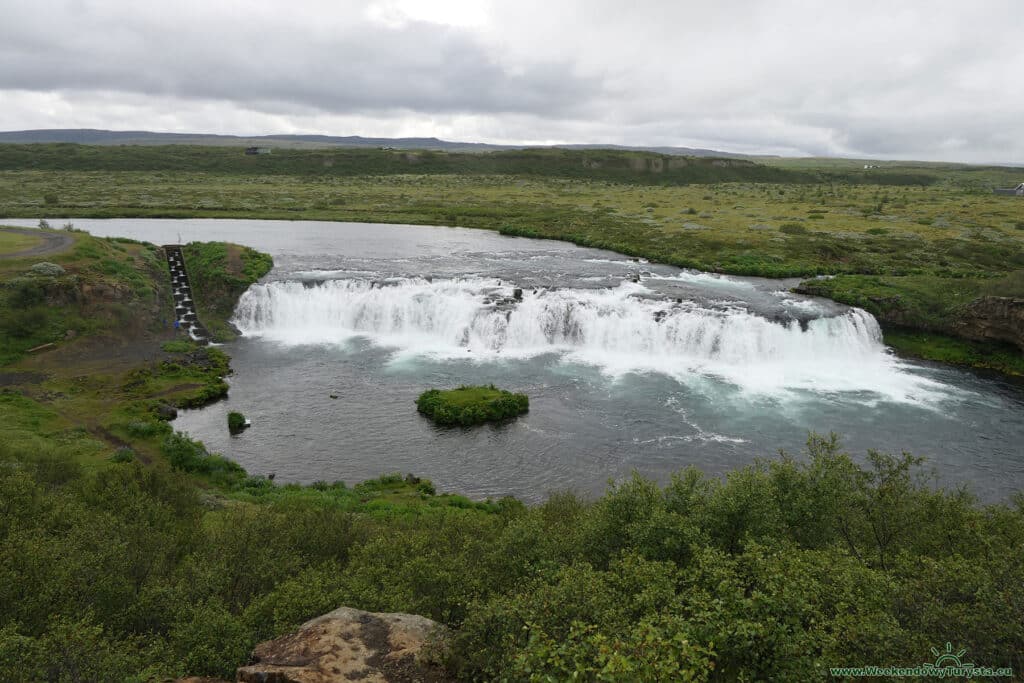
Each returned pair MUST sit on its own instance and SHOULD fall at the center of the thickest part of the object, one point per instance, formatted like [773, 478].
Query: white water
[614, 329]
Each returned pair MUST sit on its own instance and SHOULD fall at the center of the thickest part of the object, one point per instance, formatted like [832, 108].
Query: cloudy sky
[907, 79]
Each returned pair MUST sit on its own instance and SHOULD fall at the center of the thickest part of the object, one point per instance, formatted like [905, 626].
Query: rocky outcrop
[993, 318]
[348, 645]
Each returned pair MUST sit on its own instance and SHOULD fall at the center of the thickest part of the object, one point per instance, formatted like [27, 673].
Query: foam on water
[620, 330]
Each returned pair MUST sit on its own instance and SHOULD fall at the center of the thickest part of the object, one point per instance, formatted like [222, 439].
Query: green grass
[107, 286]
[921, 314]
[471, 405]
[11, 242]
[1000, 357]
[219, 273]
[178, 346]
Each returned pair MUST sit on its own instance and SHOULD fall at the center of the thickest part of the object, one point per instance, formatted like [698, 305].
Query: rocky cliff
[993, 318]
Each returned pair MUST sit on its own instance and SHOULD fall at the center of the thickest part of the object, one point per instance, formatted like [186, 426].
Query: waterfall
[480, 315]
[620, 330]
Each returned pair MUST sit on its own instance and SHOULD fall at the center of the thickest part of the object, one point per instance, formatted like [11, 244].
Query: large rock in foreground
[352, 645]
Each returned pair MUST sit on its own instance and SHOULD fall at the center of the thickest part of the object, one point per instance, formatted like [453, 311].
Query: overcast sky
[894, 79]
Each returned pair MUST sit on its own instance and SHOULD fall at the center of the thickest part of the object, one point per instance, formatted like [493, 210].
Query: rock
[166, 412]
[333, 395]
[517, 294]
[47, 268]
[993, 318]
[349, 644]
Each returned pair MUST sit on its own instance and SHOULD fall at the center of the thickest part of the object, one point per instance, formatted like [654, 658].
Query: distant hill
[88, 136]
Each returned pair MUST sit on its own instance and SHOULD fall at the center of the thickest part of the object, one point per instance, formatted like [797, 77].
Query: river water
[628, 365]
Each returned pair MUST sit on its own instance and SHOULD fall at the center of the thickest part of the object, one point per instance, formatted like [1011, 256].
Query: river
[629, 366]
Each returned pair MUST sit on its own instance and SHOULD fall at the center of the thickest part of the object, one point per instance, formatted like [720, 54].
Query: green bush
[123, 455]
[236, 422]
[793, 229]
[471, 405]
[778, 571]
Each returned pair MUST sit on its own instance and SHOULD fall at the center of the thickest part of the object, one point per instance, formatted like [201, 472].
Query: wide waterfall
[620, 329]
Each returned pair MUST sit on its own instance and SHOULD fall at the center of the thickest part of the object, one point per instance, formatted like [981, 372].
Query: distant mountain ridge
[90, 136]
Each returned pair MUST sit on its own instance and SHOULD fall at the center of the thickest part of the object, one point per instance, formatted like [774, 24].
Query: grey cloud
[360, 66]
[927, 80]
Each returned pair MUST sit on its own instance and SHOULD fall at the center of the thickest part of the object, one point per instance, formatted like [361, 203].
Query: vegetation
[219, 273]
[922, 314]
[236, 422]
[12, 242]
[467, 406]
[129, 552]
[94, 288]
[781, 570]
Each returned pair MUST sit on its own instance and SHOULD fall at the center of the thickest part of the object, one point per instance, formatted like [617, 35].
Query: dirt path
[53, 243]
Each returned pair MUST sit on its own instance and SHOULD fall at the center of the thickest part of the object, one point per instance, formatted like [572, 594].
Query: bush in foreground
[467, 406]
[779, 571]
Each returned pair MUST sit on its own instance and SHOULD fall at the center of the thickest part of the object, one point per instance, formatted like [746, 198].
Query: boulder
[349, 644]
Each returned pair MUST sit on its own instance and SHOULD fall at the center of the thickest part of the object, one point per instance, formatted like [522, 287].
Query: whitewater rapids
[620, 330]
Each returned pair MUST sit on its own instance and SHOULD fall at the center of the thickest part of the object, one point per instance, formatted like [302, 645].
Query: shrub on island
[236, 422]
[467, 406]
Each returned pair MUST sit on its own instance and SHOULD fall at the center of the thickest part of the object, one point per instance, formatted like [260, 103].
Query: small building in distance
[1012, 191]
[257, 150]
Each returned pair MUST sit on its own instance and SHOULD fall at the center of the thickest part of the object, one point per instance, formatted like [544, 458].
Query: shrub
[25, 323]
[122, 455]
[468, 405]
[182, 452]
[147, 428]
[793, 229]
[236, 422]
[47, 268]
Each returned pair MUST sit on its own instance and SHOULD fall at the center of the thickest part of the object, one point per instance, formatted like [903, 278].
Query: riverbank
[935, 222]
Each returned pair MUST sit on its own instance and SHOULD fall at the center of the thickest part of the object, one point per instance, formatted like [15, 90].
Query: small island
[468, 406]
[237, 422]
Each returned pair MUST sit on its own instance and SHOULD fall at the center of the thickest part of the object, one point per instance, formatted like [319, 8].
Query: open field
[934, 232]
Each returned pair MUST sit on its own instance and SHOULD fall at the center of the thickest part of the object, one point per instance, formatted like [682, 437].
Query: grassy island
[468, 406]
